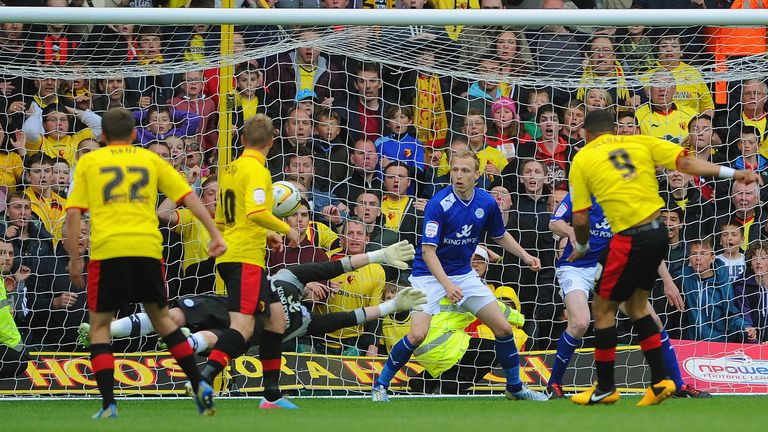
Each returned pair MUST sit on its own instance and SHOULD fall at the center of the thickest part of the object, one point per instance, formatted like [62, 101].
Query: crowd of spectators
[369, 144]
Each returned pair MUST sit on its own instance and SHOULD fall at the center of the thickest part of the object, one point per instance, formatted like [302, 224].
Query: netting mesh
[366, 116]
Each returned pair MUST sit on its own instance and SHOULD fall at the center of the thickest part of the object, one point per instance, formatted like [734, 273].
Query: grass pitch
[400, 415]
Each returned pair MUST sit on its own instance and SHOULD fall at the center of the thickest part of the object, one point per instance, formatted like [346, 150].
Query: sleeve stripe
[82, 209]
[683, 153]
[424, 242]
[255, 211]
[181, 198]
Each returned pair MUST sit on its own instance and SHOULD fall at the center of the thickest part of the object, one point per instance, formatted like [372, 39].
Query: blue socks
[401, 353]
[506, 353]
[670, 360]
[565, 348]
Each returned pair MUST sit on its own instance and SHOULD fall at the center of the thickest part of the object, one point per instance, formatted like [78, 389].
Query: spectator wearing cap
[506, 133]
[192, 99]
[306, 100]
[661, 117]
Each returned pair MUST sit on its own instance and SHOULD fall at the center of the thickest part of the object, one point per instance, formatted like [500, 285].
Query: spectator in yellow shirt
[476, 128]
[691, 92]
[50, 130]
[46, 204]
[11, 151]
[662, 117]
[359, 288]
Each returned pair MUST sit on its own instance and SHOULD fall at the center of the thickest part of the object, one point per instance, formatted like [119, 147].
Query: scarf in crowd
[145, 61]
[589, 79]
[379, 4]
[431, 120]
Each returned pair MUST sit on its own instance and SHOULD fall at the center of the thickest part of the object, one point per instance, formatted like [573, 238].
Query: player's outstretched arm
[695, 166]
[217, 245]
[71, 237]
[510, 244]
[560, 228]
[405, 300]
[166, 212]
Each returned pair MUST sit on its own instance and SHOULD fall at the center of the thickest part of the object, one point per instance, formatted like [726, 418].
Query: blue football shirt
[455, 227]
[599, 233]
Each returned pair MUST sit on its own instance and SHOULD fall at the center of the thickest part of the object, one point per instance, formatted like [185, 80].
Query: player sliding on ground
[455, 218]
[118, 185]
[577, 279]
[620, 171]
[207, 314]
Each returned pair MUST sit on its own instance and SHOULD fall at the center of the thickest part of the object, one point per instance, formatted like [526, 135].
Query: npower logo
[737, 368]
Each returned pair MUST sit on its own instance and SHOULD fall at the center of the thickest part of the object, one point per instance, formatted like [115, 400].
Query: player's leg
[246, 296]
[650, 342]
[576, 284]
[103, 361]
[670, 358]
[403, 350]
[506, 350]
[106, 293]
[270, 355]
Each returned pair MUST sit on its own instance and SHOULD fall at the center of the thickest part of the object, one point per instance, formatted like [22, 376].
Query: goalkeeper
[207, 317]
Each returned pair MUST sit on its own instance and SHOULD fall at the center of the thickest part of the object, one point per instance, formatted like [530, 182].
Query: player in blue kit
[454, 221]
[577, 278]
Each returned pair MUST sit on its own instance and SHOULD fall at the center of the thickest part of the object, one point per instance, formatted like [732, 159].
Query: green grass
[401, 415]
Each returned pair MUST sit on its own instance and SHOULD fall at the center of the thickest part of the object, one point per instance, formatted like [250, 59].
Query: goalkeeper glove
[515, 318]
[395, 255]
[406, 299]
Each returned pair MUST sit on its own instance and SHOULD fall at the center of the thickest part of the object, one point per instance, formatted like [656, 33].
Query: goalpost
[474, 76]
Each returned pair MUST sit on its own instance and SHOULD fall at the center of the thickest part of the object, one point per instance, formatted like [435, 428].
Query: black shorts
[631, 261]
[204, 312]
[116, 282]
[248, 290]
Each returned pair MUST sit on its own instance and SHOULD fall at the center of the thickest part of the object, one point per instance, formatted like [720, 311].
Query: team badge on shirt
[561, 209]
[431, 229]
[479, 213]
[259, 196]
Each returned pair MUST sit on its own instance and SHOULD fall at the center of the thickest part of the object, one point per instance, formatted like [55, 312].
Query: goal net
[367, 117]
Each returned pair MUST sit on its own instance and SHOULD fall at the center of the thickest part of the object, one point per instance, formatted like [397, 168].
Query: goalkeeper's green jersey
[446, 341]
[9, 334]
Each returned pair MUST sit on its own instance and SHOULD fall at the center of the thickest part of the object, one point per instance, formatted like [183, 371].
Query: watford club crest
[350, 279]
[408, 152]
[391, 216]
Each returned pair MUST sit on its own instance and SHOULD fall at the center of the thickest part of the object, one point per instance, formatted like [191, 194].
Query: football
[286, 199]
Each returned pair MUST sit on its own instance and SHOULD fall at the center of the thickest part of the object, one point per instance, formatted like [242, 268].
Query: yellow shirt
[49, 210]
[691, 91]
[119, 186]
[359, 288]
[671, 126]
[249, 107]
[245, 188]
[196, 49]
[63, 148]
[455, 30]
[620, 171]
[485, 156]
[322, 236]
[306, 78]
[194, 240]
[11, 170]
[761, 124]
[393, 209]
